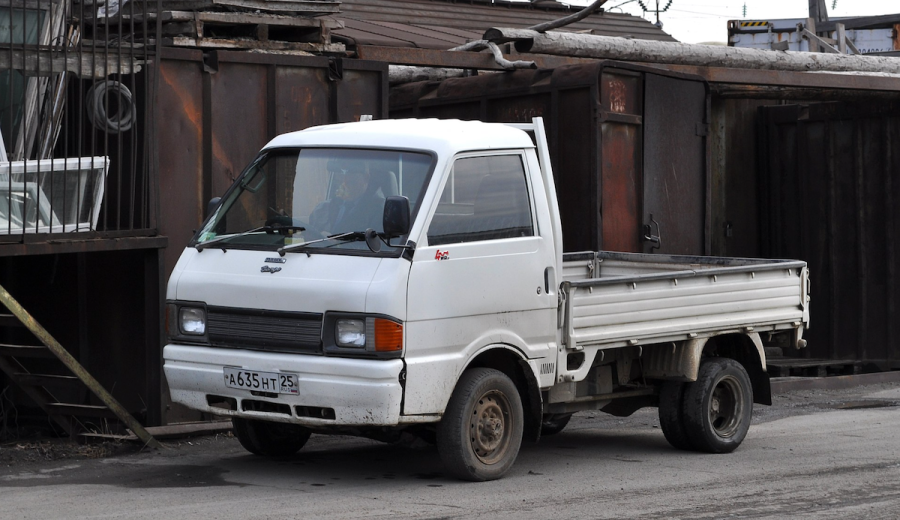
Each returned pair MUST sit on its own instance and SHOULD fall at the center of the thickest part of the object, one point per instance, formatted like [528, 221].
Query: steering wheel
[283, 223]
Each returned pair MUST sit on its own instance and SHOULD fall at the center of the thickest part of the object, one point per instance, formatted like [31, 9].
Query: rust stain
[191, 110]
[617, 96]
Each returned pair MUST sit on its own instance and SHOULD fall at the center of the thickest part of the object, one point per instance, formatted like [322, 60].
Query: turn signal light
[388, 335]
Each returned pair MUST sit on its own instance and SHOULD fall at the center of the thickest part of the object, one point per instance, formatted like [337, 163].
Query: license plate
[274, 382]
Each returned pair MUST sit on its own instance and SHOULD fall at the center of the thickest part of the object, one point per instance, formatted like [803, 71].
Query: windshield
[290, 197]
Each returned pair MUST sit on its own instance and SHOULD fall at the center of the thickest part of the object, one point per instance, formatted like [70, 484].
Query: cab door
[479, 278]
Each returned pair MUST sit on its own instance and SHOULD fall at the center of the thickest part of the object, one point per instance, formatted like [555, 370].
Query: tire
[718, 406]
[270, 438]
[480, 433]
[554, 423]
[671, 416]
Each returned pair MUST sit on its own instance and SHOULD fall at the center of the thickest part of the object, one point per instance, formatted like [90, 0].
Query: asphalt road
[814, 454]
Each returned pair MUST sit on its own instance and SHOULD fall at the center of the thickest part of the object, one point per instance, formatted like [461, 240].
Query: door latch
[649, 236]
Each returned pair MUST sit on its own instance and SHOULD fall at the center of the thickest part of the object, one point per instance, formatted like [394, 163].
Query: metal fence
[75, 117]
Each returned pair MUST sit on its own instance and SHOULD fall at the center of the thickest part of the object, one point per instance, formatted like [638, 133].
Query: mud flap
[762, 387]
[532, 404]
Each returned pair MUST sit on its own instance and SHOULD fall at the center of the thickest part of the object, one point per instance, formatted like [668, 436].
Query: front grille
[264, 330]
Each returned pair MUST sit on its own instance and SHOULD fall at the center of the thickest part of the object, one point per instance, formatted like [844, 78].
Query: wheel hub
[489, 429]
[725, 407]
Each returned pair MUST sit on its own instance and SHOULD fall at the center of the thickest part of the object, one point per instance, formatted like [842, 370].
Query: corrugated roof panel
[459, 33]
[364, 33]
[396, 35]
[479, 16]
[420, 31]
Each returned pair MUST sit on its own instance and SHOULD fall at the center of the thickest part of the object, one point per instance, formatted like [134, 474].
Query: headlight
[360, 335]
[350, 333]
[192, 320]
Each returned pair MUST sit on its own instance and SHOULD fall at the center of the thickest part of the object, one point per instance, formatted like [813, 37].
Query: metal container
[829, 185]
[628, 146]
[756, 34]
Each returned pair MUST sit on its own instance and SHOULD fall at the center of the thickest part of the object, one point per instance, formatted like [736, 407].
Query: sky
[695, 21]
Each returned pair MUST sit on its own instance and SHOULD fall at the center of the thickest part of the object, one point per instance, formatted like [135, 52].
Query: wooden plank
[25, 351]
[193, 429]
[322, 7]
[54, 246]
[80, 410]
[780, 386]
[808, 363]
[8, 320]
[457, 59]
[43, 62]
[169, 432]
[216, 43]
[43, 379]
[91, 438]
[247, 18]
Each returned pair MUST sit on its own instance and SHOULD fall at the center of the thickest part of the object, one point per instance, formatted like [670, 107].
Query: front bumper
[362, 392]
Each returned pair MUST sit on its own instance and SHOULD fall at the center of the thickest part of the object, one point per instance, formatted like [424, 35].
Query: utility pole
[818, 12]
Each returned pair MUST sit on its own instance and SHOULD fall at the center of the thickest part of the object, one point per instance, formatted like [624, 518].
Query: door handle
[656, 239]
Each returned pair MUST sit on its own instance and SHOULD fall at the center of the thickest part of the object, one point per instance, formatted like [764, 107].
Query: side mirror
[396, 217]
[213, 204]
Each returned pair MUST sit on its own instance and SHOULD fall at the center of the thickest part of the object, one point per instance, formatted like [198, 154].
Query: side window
[485, 198]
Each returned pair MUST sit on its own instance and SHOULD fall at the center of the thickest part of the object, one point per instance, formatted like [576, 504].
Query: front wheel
[480, 434]
[270, 438]
[718, 406]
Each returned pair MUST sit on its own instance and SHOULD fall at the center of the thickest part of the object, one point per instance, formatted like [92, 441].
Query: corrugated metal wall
[829, 191]
[217, 109]
[615, 162]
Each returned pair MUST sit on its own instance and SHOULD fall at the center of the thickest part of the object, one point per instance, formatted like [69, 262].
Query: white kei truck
[391, 276]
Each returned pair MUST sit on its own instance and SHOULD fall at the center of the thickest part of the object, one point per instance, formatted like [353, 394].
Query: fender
[498, 356]
[681, 361]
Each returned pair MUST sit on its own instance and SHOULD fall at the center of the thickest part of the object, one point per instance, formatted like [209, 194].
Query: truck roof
[443, 136]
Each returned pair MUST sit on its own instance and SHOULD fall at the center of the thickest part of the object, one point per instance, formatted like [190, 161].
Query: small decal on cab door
[442, 255]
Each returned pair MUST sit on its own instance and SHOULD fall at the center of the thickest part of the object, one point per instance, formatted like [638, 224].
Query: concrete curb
[786, 384]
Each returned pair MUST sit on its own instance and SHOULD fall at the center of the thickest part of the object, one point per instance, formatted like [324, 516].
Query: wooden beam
[788, 79]
[605, 47]
[46, 62]
[242, 18]
[222, 43]
[455, 59]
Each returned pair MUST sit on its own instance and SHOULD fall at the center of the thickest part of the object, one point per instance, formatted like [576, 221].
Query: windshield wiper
[352, 235]
[203, 245]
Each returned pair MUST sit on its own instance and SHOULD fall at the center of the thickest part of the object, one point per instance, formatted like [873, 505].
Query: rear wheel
[481, 431]
[718, 406]
[269, 438]
[671, 416]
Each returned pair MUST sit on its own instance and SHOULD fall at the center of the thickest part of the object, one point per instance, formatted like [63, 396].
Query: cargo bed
[618, 299]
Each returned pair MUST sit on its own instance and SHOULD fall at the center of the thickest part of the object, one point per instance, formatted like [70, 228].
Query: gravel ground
[37, 452]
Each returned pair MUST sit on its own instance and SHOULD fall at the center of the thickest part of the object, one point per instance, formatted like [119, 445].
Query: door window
[485, 198]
